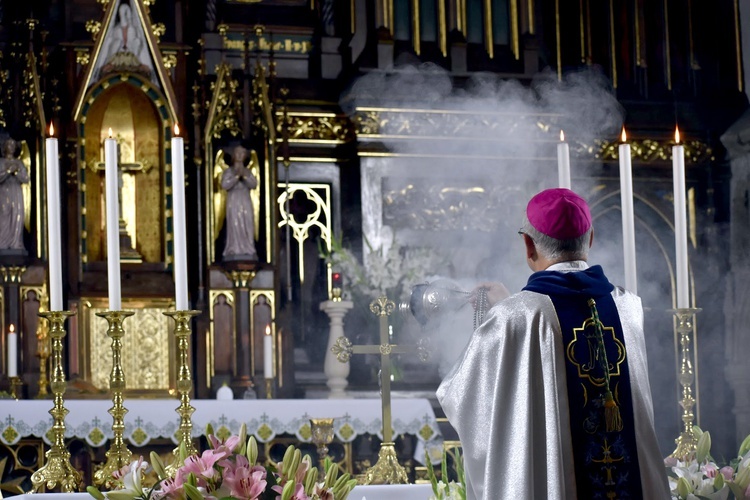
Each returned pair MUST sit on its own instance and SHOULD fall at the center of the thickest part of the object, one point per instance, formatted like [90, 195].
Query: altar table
[149, 419]
[360, 492]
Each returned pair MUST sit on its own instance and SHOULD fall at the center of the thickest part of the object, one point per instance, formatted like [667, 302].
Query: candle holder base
[269, 388]
[387, 470]
[16, 388]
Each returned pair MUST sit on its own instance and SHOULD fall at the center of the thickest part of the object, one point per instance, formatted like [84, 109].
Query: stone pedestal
[335, 371]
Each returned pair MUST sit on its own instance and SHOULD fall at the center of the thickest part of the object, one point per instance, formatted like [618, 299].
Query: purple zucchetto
[559, 213]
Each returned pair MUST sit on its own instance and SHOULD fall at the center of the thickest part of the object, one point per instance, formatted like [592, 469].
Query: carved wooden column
[242, 380]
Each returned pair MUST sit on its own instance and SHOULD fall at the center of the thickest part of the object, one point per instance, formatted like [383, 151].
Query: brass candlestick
[43, 353]
[686, 443]
[57, 470]
[269, 388]
[322, 435]
[184, 380]
[118, 454]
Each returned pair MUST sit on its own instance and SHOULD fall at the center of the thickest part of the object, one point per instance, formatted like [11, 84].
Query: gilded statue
[13, 175]
[238, 181]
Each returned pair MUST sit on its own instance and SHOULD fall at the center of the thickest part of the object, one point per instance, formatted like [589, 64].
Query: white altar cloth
[149, 419]
[360, 492]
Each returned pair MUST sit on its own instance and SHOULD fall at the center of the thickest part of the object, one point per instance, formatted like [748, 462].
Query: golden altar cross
[387, 470]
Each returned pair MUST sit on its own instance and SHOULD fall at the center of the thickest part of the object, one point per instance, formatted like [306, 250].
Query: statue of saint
[125, 47]
[238, 180]
[13, 174]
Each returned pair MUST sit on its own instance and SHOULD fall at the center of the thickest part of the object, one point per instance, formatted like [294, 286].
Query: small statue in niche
[13, 175]
[238, 180]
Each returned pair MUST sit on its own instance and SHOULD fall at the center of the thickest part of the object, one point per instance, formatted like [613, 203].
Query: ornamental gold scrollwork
[224, 107]
[317, 127]
[382, 306]
[93, 27]
[447, 123]
[342, 348]
[386, 349]
[158, 30]
[432, 204]
[646, 150]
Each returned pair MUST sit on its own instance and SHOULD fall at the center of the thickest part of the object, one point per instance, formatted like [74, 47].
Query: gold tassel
[612, 417]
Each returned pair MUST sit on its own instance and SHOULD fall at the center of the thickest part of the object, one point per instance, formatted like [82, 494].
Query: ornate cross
[387, 470]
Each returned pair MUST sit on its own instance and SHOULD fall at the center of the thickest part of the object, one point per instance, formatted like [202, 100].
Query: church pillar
[737, 302]
[335, 371]
[243, 371]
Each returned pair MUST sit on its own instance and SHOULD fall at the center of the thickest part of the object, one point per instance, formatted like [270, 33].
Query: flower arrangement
[444, 489]
[391, 271]
[699, 477]
[228, 470]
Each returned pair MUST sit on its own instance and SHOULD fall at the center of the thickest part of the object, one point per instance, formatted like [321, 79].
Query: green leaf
[95, 493]
[743, 478]
[209, 429]
[719, 481]
[121, 495]
[431, 473]
[192, 492]
[738, 492]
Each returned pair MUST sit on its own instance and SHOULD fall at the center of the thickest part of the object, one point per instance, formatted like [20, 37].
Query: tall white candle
[113, 222]
[628, 219]
[680, 222]
[12, 352]
[268, 353]
[53, 222]
[178, 219]
[563, 162]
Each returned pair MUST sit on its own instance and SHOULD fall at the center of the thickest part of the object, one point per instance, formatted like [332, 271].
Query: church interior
[280, 165]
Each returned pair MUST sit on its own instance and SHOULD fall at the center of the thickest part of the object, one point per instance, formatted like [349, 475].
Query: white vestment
[507, 399]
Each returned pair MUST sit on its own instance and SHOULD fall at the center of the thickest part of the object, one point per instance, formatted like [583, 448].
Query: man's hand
[495, 293]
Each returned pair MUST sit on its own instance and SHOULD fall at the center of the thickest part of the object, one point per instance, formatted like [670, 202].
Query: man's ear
[530, 248]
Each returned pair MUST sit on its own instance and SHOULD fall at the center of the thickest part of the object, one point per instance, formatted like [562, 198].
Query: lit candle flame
[176, 130]
[676, 134]
[11, 328]
[110, 132]
[624, 136]
[268, 329]
[562, 136]
[51, 129]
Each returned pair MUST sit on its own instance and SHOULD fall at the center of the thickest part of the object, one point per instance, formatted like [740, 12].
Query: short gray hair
[558, 250]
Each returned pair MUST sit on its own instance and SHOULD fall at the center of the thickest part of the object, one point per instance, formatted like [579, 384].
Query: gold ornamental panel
[321, 128]
[148, 352]
[430, 204]
[433, 124]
